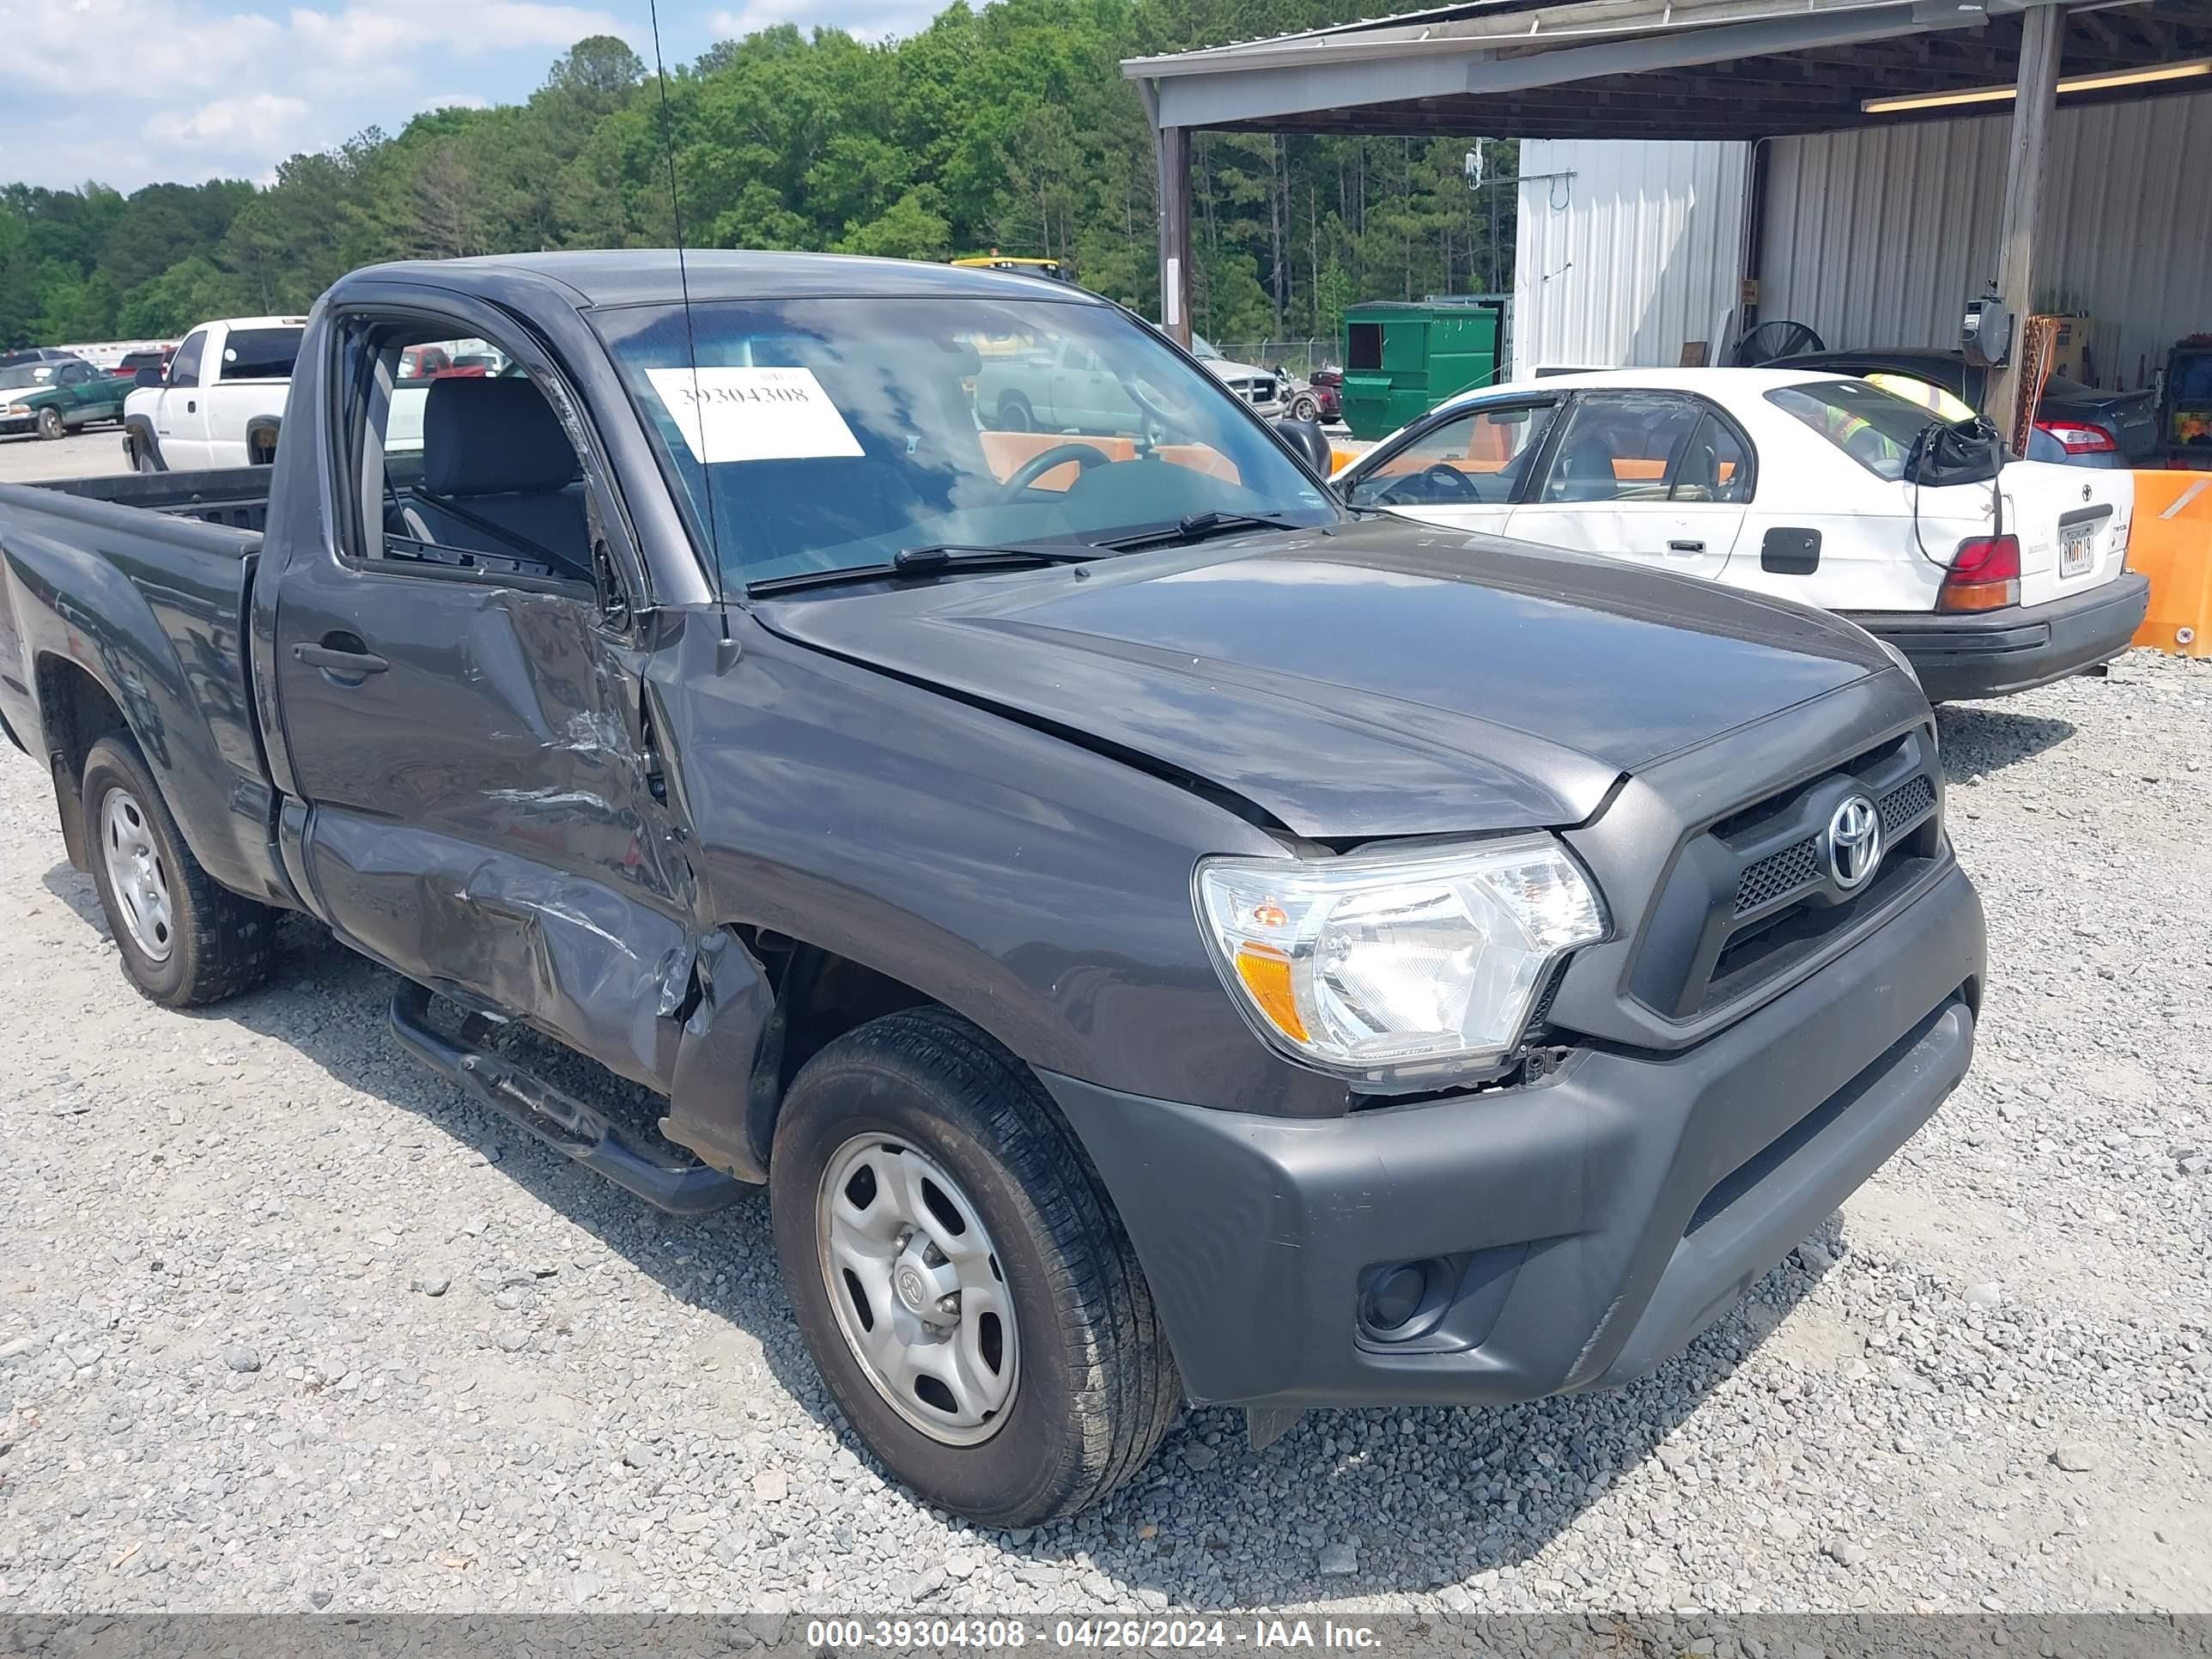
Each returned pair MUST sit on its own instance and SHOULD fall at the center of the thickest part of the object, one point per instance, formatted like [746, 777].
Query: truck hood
[1376, 679]
[1222, 369]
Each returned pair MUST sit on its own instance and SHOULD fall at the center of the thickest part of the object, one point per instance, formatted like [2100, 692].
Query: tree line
[1009, 128]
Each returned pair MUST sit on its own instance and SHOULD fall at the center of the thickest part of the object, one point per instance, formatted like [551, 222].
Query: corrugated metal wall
[1633, 253]
[1880, 236]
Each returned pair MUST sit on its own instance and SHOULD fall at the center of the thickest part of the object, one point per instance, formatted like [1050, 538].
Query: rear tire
[1092, 1385]
[183, 939]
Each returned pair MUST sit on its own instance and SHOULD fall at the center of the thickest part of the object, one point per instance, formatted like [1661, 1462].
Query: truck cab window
[260, 354]
[460, 467]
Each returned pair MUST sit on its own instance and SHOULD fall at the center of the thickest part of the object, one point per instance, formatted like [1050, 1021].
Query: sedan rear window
[1873, 427]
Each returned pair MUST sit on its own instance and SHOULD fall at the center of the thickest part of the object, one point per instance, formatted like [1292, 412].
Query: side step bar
[560, 1120]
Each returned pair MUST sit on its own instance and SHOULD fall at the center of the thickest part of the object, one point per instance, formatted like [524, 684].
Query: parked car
[221, 401]
[37, 355]
[2081, 426]
[50, 398]
[132, 363]
[1156, 934]
[1807, 486]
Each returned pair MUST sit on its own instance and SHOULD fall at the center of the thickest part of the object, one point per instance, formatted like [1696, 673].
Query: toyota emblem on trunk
[1854, 843]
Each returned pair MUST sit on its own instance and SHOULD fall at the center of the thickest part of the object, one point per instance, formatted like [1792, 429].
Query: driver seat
[1585, 472]
[499, 477]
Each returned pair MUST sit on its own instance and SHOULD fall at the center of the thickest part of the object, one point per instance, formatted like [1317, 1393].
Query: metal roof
[1650, 69]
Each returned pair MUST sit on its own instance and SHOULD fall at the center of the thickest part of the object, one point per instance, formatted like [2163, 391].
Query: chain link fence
[1300, 357]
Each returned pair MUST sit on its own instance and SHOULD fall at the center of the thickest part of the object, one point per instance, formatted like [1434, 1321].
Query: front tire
[965, 1289]
[183, 939]
[1304, 407]
[1015, 414]
[50, 424]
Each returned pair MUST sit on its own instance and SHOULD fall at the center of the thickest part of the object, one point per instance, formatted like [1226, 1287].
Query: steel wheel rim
[138, 875]
[916, 1285]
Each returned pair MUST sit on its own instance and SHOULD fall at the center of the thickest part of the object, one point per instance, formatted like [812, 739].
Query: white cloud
[330, 68]
[230, 127]
[393, 35]
[864, 19]
[141, 47]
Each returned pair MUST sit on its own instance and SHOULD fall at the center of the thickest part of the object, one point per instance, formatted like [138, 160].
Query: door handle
[1686, 547]
[191, 406]
[346, 656]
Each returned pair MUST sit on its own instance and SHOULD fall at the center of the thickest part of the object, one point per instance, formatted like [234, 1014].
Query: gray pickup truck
[1158, 935]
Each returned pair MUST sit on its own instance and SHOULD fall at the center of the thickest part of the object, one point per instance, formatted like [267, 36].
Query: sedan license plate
[2077, 545]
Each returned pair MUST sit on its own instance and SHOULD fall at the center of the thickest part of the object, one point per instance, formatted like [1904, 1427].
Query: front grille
[1778, 874]
[1752, 893]
[1906, 805]
[1797, 866]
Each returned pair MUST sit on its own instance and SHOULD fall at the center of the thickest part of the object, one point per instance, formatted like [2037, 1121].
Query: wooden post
[1172, 148]
[2041, 29]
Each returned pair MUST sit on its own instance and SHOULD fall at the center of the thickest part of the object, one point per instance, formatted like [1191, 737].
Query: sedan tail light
[1984, 575]
[2079, 437]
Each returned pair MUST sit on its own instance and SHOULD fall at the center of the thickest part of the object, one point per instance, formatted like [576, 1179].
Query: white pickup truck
[1070, 390]
[221, 403]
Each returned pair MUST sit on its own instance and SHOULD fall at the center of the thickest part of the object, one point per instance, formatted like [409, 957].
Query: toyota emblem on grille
[1854, 843]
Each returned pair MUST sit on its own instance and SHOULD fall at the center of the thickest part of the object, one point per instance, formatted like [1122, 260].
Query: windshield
[833, 434]
[27, 374]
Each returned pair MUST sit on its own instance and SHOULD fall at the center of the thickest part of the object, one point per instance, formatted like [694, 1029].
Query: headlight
[1396, 966]
[19, 409]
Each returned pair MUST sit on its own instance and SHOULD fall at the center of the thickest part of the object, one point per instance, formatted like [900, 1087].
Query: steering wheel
[1083, 455]
[1449, 483]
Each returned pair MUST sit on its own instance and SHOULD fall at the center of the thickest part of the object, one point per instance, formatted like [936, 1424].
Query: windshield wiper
[1197, 527]
[930, 560]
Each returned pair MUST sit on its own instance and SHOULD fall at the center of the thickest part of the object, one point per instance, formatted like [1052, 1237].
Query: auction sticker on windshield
[753, 414]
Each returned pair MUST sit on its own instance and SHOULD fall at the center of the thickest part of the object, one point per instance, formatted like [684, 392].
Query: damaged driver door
[465, 720]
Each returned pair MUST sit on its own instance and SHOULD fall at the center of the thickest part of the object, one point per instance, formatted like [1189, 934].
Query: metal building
[1628, 252]
[1762, 76]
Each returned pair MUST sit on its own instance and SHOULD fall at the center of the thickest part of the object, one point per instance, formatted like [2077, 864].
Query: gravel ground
[82, 455]
[284, 1323]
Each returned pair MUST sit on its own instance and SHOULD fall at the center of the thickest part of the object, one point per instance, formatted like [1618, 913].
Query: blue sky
[128, 92]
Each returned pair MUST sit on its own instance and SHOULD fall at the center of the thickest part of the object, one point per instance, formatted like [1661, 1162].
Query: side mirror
[1306, 440]
[147, 376]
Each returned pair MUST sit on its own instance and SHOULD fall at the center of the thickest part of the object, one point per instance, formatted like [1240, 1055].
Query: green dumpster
[1403, 358]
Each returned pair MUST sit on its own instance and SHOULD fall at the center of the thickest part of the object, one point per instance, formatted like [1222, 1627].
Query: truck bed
[131, 592]
[237, 497]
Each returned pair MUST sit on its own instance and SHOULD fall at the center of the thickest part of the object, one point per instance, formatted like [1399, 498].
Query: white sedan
[1816, 488]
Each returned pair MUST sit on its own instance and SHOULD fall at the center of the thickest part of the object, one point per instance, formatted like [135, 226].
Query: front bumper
[1593, 1222]
[10, 424]
[1990, 653]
